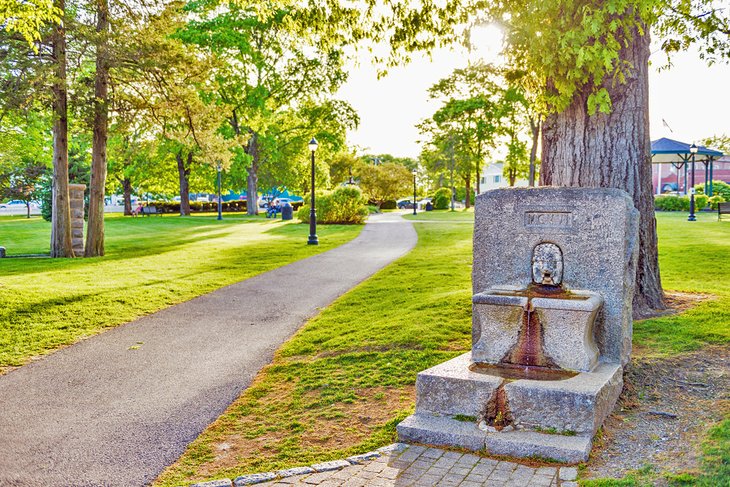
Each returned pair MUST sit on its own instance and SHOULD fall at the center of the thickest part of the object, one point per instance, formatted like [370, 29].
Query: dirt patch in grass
[666, 408]
[353, 423]
[677, 302]
[243, 441]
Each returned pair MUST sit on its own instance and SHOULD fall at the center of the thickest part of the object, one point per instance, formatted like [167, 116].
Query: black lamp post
[312, 214]
[691, 218]
[220, 203]
[414, 191]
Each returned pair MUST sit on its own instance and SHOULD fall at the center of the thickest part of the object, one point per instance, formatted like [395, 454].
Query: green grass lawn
[343, 382]
[150, 263]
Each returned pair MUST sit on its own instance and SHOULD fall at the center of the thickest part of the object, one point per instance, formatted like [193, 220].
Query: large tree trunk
[612, 151]
[183, 172]
[127, 192]
[95, 227]
[252, 181]
[61, 245]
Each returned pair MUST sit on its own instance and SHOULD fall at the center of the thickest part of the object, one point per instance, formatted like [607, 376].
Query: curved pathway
[119, 407]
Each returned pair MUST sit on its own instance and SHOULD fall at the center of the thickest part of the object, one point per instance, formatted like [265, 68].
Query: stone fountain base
[553, 419]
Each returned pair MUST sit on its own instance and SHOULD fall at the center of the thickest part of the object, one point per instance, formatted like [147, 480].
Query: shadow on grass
[121, 248]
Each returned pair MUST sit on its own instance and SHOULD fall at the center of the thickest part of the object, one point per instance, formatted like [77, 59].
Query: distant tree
[408, 162]
[383, 182]
[270, 64]
[174, 94]
[341, 167]
[22, 183]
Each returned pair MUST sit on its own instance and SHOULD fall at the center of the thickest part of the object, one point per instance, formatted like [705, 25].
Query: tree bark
[27, 208]
[95, 227]
[252, 180]
[183, 171]
[612, 151]
[127, 192]
[61, 245]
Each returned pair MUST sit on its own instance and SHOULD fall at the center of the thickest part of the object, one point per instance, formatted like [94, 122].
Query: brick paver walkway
[420, 466]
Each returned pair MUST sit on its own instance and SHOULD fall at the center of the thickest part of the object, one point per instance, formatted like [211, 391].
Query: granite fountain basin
[566, 320]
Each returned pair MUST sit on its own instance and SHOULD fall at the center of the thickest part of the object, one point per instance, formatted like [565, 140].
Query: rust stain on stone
[528, 350]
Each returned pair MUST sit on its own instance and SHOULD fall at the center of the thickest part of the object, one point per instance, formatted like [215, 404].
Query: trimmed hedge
[198, 206]
[680, 203]
[389, 205]
[344, 205]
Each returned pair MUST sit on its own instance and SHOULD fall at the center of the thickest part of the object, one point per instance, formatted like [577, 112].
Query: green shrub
[389, 205]
[373, 209]
[715, 200]
[442, 199]
[344, 205]
[701, 201]
[718, 188]
[671, 203]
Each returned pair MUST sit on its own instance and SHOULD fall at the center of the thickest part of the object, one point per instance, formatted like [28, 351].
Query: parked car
[405, 204]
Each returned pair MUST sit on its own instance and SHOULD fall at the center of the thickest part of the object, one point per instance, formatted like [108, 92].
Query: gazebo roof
[667, 151]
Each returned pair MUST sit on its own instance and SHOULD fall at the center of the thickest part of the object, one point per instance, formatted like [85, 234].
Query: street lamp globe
[693, 149]
[313, 144]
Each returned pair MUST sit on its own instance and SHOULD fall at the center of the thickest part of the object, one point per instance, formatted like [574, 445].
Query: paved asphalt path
[103, 413]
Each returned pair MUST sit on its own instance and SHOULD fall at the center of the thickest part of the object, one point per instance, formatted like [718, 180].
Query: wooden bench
[150, 210]
[723, 209]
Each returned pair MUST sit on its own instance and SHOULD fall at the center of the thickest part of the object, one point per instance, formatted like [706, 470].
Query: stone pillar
[76, 196]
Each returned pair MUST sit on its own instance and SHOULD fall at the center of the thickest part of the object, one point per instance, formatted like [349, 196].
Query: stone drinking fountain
[553, 281]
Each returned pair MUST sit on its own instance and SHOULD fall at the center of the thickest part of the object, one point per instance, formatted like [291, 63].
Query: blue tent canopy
[668, 151]
[233, 196]
[277, 193]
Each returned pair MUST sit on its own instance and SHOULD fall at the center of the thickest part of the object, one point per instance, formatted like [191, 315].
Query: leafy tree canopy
[570, 44]
[27, 18]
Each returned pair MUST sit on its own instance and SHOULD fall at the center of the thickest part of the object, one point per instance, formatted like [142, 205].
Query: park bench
[150, 210]
[723, 209]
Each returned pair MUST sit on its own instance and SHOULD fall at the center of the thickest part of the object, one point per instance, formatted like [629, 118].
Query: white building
[492, 178]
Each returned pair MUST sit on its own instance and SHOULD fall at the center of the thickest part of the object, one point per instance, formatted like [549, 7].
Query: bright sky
[693, 98]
